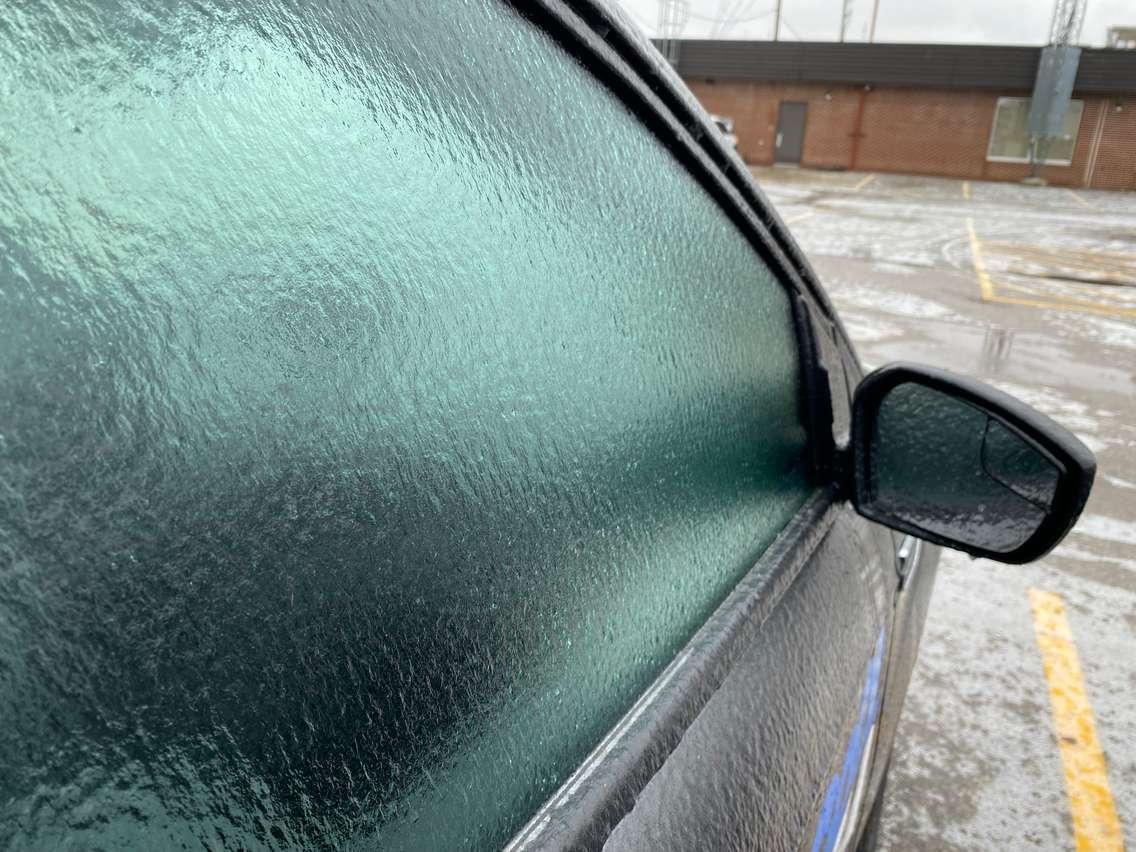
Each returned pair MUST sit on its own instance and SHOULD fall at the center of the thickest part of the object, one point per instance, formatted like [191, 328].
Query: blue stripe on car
[839, 793]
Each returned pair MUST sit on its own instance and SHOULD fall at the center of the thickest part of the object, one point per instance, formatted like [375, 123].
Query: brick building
[953, 110]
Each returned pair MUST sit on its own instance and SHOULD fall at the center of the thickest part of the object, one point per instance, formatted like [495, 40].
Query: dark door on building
[790, 132]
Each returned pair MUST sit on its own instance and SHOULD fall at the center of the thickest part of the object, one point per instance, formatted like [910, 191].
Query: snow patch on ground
[1070, 551]
[868, 330]
[1108, 332]
[901, 304]
[894, 268]
[1117, 482]
[1106, 529]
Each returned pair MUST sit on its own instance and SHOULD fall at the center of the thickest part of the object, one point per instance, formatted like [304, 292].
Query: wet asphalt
[1006, 743]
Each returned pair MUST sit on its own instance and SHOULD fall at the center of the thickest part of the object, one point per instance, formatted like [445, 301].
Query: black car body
[418, 431]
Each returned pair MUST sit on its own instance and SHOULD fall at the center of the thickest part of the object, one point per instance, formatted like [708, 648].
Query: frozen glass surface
[949, 468]
[380, 409]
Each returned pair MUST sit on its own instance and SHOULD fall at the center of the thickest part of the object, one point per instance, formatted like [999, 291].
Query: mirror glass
[948, 467]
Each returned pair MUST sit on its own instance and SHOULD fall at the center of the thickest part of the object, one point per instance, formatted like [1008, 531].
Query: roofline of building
[947, 66]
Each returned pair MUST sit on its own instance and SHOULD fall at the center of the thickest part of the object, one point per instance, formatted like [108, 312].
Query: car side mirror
[956, 462]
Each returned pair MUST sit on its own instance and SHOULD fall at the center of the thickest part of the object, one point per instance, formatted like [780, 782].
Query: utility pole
[777, 20]
[1053, 87]
[875, 16]
[845, 13]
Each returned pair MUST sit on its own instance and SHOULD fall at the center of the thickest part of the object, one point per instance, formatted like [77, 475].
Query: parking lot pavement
[1018, 732]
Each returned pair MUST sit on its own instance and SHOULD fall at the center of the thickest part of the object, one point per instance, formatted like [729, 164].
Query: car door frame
[603, 789]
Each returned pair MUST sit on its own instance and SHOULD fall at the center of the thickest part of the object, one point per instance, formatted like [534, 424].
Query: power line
[733, 19]
[738, 14]
[683, 17]
[721, 23]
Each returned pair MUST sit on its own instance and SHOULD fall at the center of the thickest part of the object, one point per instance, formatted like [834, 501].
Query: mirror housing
[956, 462]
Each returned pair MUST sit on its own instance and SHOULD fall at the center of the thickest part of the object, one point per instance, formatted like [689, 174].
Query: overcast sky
[968, 21]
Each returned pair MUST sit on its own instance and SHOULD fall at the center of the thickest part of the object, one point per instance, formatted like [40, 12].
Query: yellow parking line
[1064, 305]
[989, 294]
[984, 282]
[864, 182]
[1095, 823]
[1078, 198]
[966, 190]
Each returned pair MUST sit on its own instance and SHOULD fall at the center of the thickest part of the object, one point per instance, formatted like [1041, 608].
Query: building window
[1009, 137]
